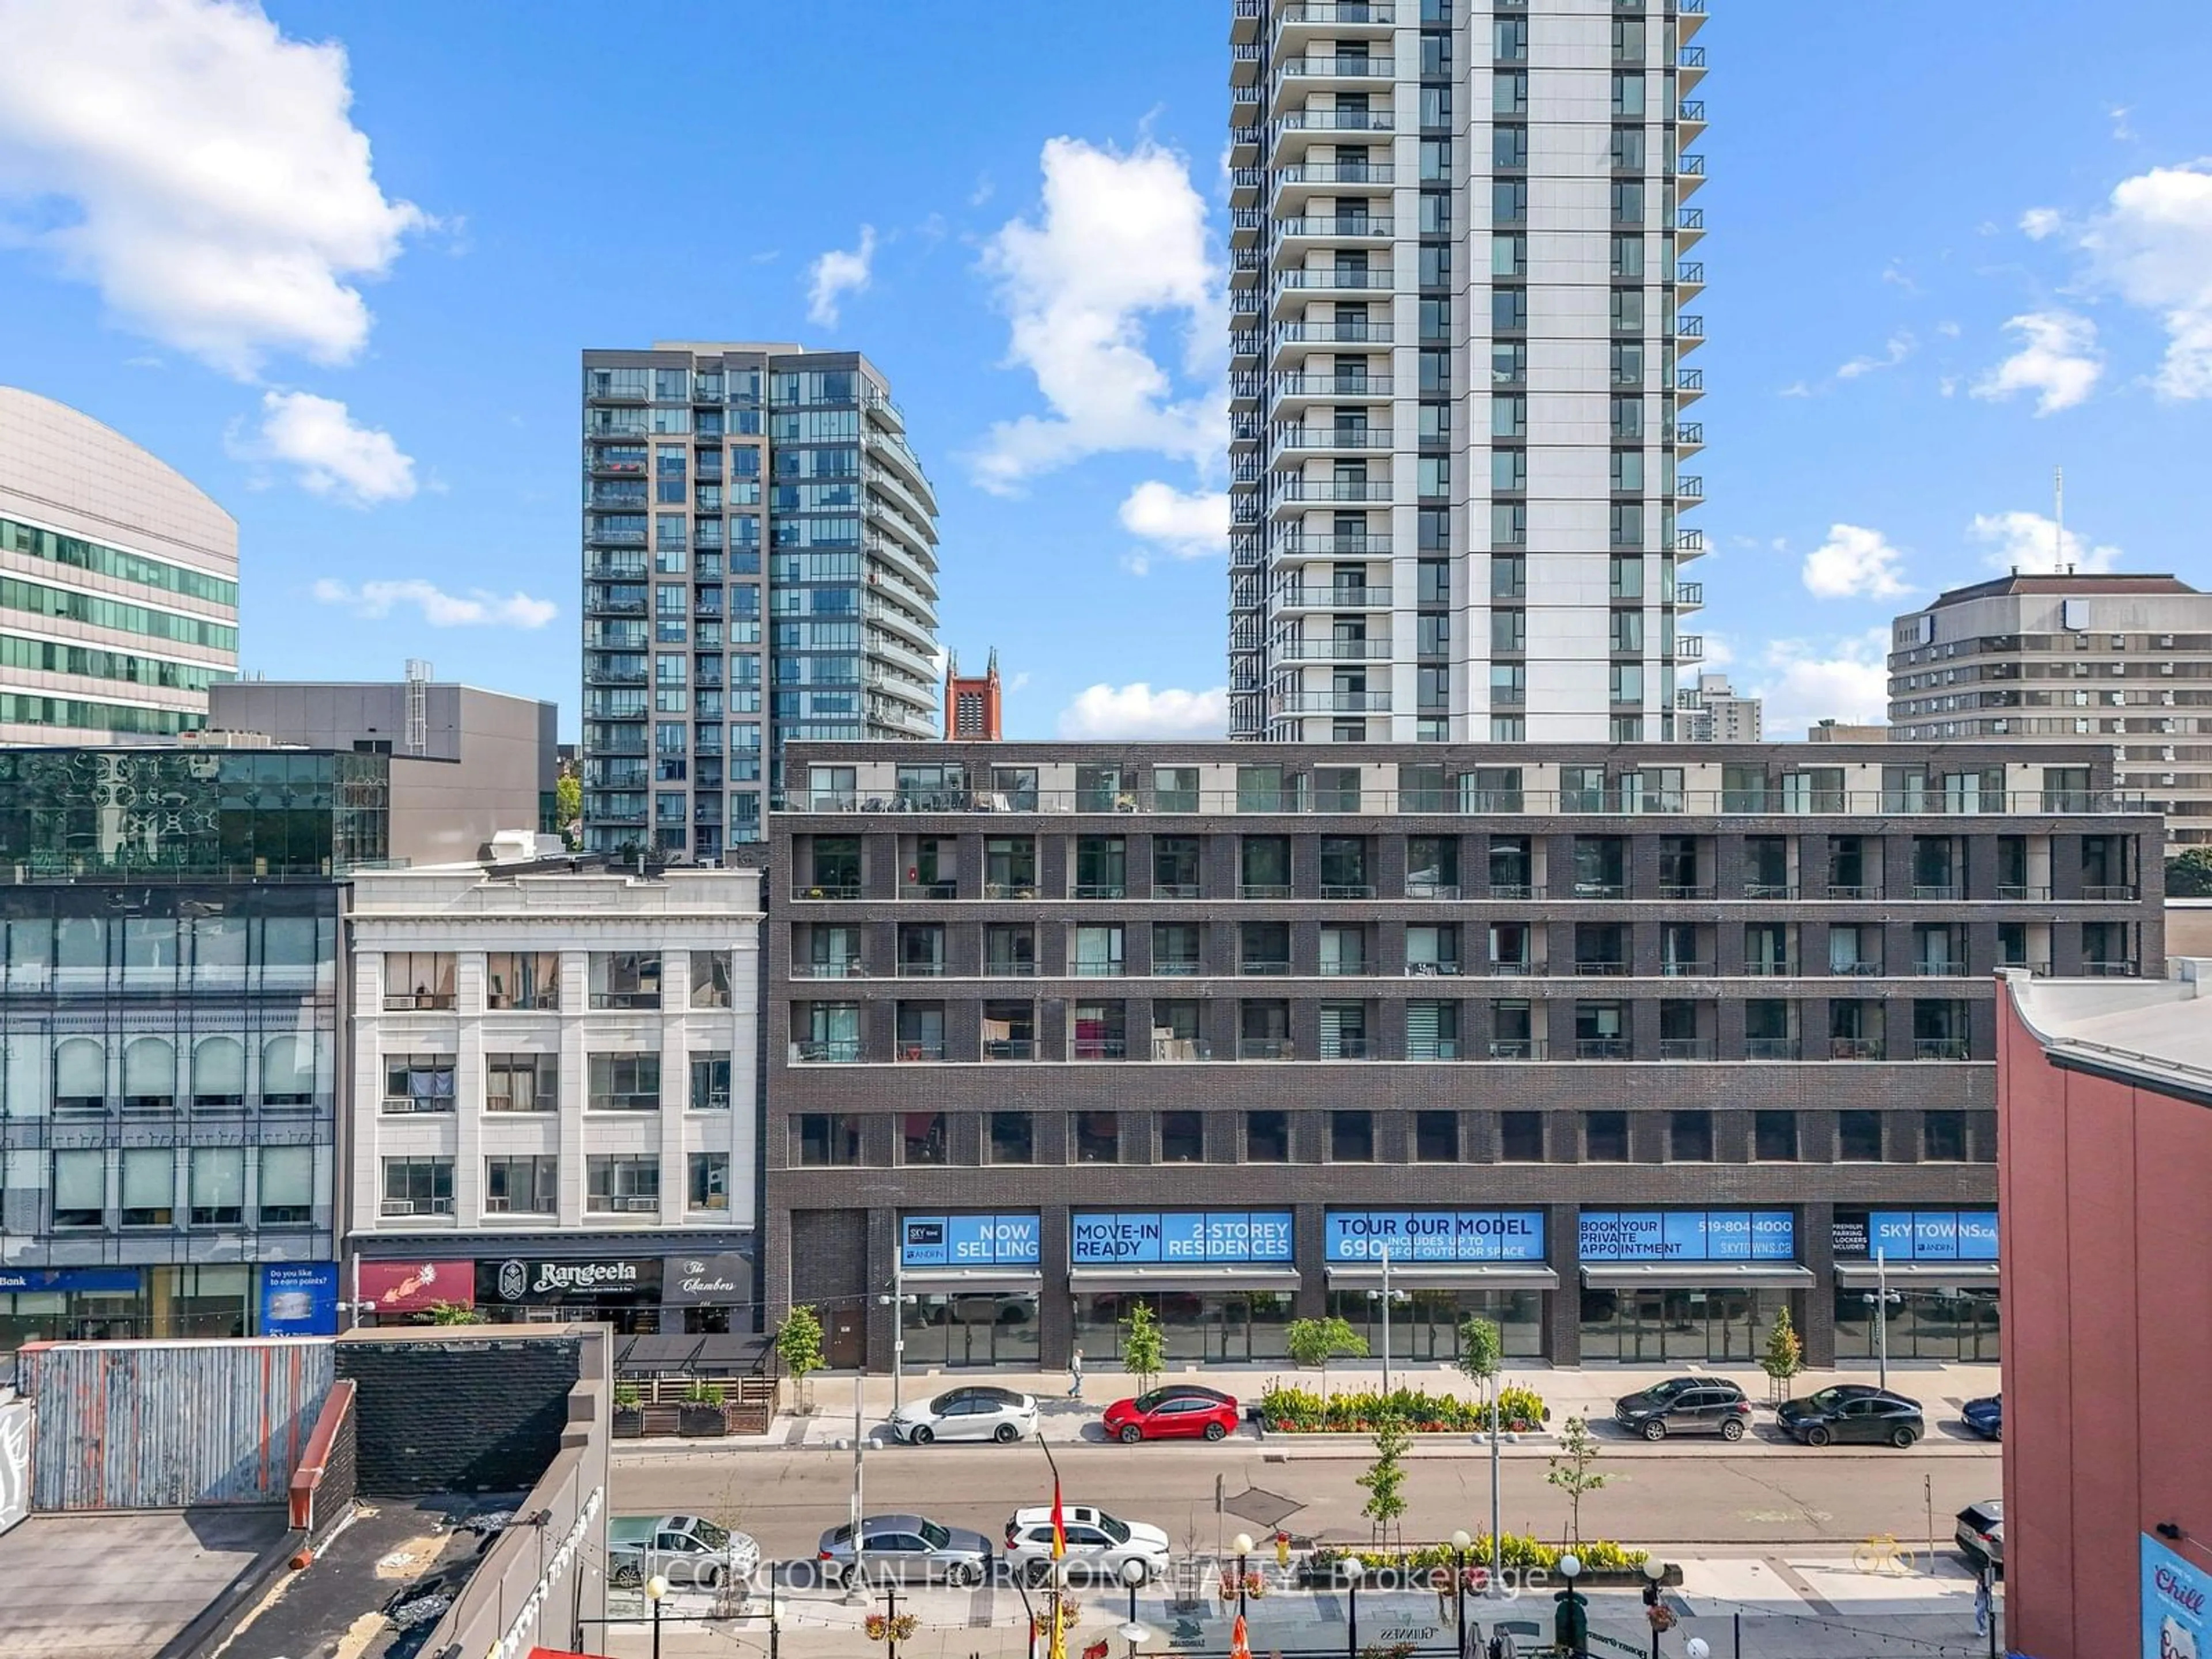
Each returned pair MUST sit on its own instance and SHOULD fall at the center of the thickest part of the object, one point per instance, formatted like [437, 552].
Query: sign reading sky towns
[970, 1241]
[1689, 1235]
[1417, 1235]
[1222, 1237]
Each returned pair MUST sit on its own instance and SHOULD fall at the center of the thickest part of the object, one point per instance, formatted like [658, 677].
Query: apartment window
[1943, 1137]
[1520, 1137]
[1099, 952]
[1175, 789]
[707, 1185]
[1351, 1137]
[419, 1083]
[287, 1188]
[150, 1186]
[1264, 947]
[1858, 1137]
[522, 1185]
[922, 1139]
[710, 980]
[418, 979]
[1432, 1030]
[1100, 1032]
[1175, 861]
[521, 1082]
[828, 1139]
[1098, 1138]
[418, 1186]
[1689, 1137]
[624, 1082]
[1265, 789]
[1774, 1137]
[625, 979]
[710, 1082]
[615, 1184]
[1628, 94]
[1265, 867]
[1605, 1137]
[1176, 947]
[1508, 147]
[1435, 1136]
[1101, 868]
[1014, 1138]
[522, 981]
[1266, 1137]
[1182, 1136]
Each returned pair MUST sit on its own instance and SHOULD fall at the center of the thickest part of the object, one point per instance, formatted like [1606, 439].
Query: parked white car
[976, 1413]
[1099, 1540]
[687, 1550]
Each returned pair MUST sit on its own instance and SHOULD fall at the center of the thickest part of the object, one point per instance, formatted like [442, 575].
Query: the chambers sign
[524, 1281]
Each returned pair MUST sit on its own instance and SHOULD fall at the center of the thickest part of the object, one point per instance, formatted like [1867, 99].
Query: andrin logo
[513, 1280]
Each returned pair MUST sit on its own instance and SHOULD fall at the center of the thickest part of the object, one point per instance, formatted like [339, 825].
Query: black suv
[1852, 1413]
[1684, 1405]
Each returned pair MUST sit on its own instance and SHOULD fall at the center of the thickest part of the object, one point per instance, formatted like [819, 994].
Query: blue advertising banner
[1928, 1236]
[1216, 1237]
[1689, 1235]
[105, 1281]
[2176, 1604]
[298, 1298]
[1417, 1235]
[970, 1241]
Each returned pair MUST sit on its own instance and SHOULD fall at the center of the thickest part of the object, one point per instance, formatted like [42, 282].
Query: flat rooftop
[2158, 1029]
[121, 1586]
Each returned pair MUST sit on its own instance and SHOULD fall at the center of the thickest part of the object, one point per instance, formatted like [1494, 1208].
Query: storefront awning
[973, 1281]
[1697, 1275]
[1980, 1274]
[1081, 1279]
[1451, 1276]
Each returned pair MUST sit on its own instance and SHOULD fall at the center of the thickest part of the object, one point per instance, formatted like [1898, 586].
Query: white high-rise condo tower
[1458, 265]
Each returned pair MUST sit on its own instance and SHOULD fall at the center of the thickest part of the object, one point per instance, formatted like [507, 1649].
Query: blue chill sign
[1689, 1235]
[969, 1241]
[1419, 1236]
[1209, 1238]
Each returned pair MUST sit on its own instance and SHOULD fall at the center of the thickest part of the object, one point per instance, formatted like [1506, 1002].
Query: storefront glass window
[973, 1328]
[1424, 1325]
[1645, 1326]
[1200, 1327]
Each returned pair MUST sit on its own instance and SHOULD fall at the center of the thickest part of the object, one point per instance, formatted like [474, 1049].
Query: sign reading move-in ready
[1430, 1236]
[1218, 1237]
[2176, 1604]
[1689, 1235]
[969, 1241]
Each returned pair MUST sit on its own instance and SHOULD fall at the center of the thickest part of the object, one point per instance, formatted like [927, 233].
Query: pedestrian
[1075, 1375]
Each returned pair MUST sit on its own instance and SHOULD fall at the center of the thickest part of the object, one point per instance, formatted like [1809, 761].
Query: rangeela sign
[518, 1279]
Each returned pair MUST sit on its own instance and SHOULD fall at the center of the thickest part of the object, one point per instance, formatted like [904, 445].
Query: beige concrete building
[1845, 731]
[2071, 658]
[118, 584]
[1712, 711]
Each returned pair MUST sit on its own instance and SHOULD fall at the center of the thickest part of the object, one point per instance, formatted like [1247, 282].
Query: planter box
[630, 1423]
[699, 1422]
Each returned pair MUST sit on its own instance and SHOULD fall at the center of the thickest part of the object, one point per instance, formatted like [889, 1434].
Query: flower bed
[1302, 1410]
[1517, 1552]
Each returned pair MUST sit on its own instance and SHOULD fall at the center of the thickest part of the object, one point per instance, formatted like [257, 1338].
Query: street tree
[1785, 1354]
[799, 1345]
[1481, 1355]
[1143, 1348]
[1385, 1479]
[1571, 1471]
[1313, 1342]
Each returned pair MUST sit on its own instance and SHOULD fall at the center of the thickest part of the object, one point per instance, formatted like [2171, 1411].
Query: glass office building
[760, 565]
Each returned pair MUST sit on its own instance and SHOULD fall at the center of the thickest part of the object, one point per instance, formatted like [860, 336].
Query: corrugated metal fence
[150, 1426]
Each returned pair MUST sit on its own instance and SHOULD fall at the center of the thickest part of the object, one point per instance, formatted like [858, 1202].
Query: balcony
[2013, 893]
[1854, 1047]
[1772, 1048]
[843, 1051]
[1331, 599]
[1600, 968]
[1853, 895]
[821, 890]
[2111, 969]
[1331, 651]
[1292, 443]
[1299, 491]
[1685, 968]
[1011, 1048]
[1290, 14]
[2109, 894]
[1685, 1047]
[912, 1051]
[1265, 1048]
[1335, 228]
[1689, 595]
[1670, 889]
[1009, 890]
[1333, 120]
[1512, 968]
[1862, 968]
[1299, 544]
[1519, 1049]
[1771, 967]
[850, 967]
[1332, 388]
[1602, 1048]
[1939, 1047]
[1770, 890]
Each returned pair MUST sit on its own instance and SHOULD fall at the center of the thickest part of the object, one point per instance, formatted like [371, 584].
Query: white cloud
[1854, 564]
[2029, 541]
[331, 455]
[2122, 132]
[1898, 348]
[1949, 330]
[218, 194]
[837, 274]
[1796, 389]
[1806, 681]
[2153, 246]
[1138, 711]
[2057, 360]
[2040, 223]
[1896, 275]
[476, 609]
[1120, 242]
[1186, 525]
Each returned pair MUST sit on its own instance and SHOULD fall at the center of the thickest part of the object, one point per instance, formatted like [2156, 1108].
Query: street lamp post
[1459, 1543]
[1352, 1569]
[1133, 1633]
[1571, 1623]
[1133, 1574]
[1654, 1574]
[1243, 1544]
[896, 1302]
[655, 1588]
[1880, 1298]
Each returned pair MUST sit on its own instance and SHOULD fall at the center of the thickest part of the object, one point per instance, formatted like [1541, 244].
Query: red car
[1184, 1412]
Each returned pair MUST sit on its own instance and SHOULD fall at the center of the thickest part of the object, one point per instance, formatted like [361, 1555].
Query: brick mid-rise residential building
[1626, 1048]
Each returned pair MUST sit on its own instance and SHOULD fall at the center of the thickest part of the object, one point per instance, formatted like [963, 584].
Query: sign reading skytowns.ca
[518, 1281]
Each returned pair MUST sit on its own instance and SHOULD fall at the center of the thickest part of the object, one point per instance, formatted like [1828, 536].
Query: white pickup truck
[689, 1551]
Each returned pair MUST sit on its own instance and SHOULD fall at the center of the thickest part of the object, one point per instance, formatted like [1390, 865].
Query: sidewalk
[1588, 1392]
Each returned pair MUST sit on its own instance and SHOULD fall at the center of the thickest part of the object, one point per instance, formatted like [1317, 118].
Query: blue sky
[1943, 256]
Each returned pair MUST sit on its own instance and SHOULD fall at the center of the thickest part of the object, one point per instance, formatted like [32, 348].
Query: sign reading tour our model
[1917, 1236]
[1436, 1235]
[1689, 1235]
[1219, 1237]
[969, 1241]
[517, 1280]
[299, 1298]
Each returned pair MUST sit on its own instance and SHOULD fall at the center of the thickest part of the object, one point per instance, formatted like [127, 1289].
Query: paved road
[1699, 1496]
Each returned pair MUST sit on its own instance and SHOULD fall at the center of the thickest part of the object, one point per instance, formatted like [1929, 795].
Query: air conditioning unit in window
[2165, 640]
[2119, 668]
[2166, 778]
[2166, 668]
[2167, 753]
[637, 1205]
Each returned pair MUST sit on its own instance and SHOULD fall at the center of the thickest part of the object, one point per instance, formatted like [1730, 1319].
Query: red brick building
[2105, 1183]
